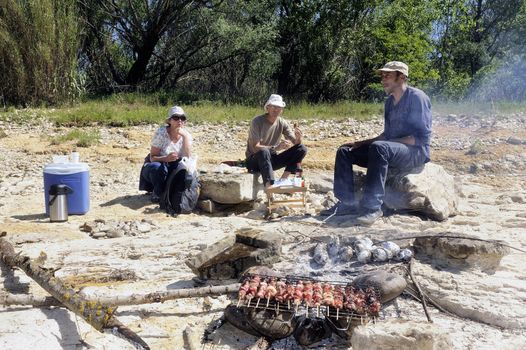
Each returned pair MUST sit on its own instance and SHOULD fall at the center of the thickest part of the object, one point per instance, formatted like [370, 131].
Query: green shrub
[82, 138]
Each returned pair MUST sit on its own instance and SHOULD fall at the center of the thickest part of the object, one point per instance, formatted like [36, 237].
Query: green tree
[398, 30]
[471, 37]
[311, 33]
[154, 44]
[38, 48]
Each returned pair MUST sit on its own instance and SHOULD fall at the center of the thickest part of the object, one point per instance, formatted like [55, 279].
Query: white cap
[175, 110]
[275, 100]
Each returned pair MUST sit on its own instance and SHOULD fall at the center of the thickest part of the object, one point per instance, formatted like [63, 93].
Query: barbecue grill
[305, 296]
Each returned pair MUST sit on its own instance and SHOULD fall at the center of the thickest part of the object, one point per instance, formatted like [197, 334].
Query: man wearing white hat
[266, 150]
[404, 144]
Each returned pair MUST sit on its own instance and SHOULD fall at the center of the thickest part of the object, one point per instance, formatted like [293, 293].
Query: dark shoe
[340, 209]
[155, 198]
[369, 217]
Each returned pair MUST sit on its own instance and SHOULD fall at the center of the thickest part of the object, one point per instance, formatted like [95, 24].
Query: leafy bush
[82, 138]
[39, 42]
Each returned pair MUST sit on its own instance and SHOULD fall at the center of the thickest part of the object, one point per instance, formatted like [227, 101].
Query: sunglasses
[178, 117]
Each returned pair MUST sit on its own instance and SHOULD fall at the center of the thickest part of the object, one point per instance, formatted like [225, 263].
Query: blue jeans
[377, 157]
[154, 174]
[265, 161]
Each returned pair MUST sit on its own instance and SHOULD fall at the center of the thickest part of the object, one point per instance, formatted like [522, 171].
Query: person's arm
[158, 142]
[408, 140]
[420, 119]
[155, 155]
[187, 142]
[365, 142]
[298, 134]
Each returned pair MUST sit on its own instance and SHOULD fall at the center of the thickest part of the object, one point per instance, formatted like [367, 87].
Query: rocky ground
[146, 250]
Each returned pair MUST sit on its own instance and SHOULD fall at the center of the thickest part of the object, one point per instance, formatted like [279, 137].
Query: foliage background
[55, 52]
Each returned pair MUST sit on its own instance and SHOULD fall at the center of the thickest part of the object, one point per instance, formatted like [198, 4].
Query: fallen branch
[98, 315]
[494, 241]
[133, 299]
[422, 295]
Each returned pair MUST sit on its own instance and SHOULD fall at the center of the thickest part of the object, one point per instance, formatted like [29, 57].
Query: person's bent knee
[302, 149]
[378, 148]
[263, 154]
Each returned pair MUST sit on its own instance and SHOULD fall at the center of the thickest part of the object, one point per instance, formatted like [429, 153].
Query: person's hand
[354, 144]
[172, 157]
[283, 145]
[182, 132]
[297, 133]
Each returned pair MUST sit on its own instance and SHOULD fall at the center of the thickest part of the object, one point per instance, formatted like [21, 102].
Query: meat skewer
[338, 300]
[262, 290]
[271, 290]
[298, 294]
[372, 301]
[243, 291]
[253, 287]
[281, 293]
[290, 294]
[307, 296]
[317, 297]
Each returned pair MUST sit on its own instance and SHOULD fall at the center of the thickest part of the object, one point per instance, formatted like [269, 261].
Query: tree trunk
[98, 315]
[134, 299]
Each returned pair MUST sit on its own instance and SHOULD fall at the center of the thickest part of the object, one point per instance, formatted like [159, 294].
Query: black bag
[181, 192]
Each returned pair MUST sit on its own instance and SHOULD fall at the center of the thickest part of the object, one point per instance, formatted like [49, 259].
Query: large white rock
[429, 190]
[231, 188]
[401, 335]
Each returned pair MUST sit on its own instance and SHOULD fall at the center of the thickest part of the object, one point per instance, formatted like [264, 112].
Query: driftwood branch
[420, 293]
[98, 315]
[133, 299]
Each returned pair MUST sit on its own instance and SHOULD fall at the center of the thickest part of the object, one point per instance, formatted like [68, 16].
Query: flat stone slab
[231, 256]
[462, 252]
[401, 335]
[231, 188]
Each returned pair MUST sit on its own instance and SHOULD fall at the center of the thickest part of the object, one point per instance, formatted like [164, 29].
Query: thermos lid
[60, 189]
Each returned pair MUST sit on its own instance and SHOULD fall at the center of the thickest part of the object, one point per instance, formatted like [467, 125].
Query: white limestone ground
[154, 260]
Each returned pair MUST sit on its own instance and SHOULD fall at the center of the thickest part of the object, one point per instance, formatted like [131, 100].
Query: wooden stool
[293, 202]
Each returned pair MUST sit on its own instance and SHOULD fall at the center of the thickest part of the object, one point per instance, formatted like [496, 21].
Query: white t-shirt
[162, 140]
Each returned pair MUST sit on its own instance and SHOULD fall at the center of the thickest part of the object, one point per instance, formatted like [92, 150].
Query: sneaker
[340, 209]
[369, 217]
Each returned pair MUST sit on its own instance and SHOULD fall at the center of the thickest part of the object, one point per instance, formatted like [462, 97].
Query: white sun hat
[275, 100]
[175, 110]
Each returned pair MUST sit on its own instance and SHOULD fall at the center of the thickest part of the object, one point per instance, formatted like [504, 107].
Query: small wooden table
[293, 202]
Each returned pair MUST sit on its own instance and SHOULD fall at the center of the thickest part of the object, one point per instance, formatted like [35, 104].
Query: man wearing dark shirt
[404, 144]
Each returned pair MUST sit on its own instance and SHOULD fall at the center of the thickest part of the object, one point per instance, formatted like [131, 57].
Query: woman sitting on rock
[169, 145]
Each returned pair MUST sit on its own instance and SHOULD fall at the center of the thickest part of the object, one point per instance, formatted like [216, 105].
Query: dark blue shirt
[411, 116]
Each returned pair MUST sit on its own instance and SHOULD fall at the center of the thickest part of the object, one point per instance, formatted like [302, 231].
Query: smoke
[505, 81]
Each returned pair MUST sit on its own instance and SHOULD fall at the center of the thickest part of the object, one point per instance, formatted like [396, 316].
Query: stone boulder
[232, 255]
[401, 335]
[389, 284]
[429, 190]
[231, 188]
[462, 252]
